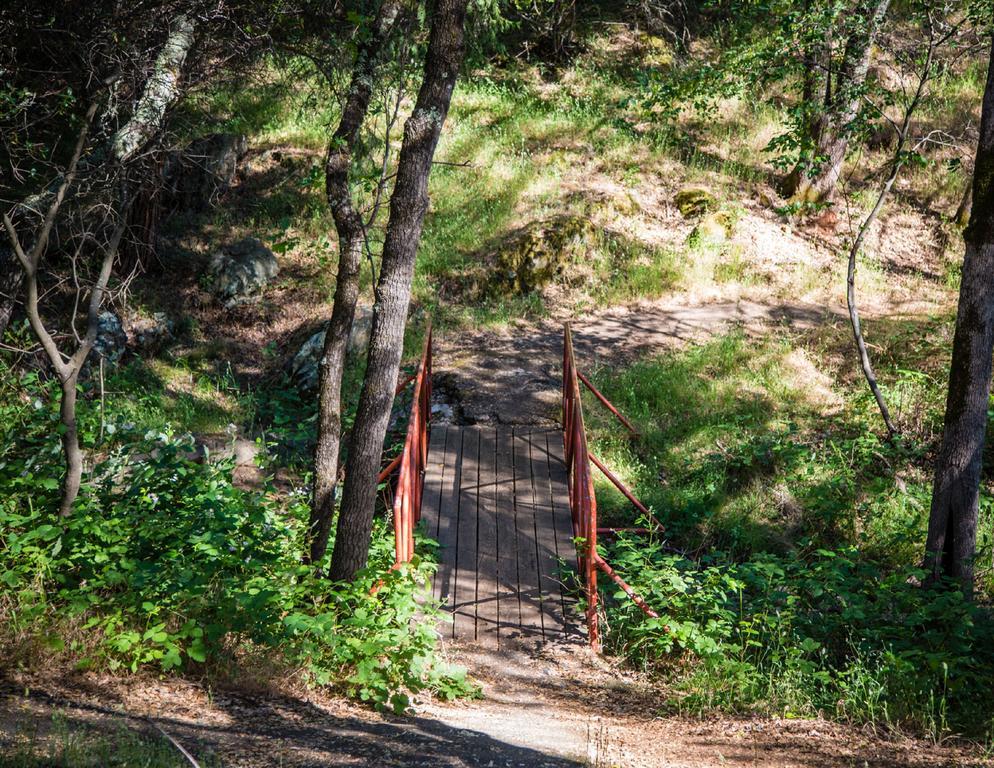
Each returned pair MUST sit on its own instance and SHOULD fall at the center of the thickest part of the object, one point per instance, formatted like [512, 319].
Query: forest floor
[555, 707]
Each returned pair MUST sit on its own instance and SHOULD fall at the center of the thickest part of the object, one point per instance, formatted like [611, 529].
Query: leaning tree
[408, 206]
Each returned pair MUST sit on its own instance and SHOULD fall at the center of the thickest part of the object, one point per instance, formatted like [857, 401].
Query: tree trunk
[349, 226]
[161, 90]
[816, 183]
[952, 526]
[813, 180]
[408, 206]
[70, 445]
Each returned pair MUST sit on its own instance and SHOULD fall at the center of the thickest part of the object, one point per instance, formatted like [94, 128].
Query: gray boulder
[154, 333]
[239, 271]
[305, 368]
[112, 340]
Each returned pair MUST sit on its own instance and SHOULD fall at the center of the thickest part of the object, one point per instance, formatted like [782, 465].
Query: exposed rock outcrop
[238, 272]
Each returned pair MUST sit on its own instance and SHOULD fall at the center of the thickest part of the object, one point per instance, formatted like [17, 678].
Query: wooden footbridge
[514, 514]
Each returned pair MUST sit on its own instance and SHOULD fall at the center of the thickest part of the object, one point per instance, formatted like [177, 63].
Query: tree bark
[813, 180]
[351, 239]
[952, 526]
[408, 206]
[161, 90]
[71, 450]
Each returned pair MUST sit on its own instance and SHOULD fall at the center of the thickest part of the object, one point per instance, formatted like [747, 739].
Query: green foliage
[165, 563]
[823, 631]
[777, 51]
[808, 600]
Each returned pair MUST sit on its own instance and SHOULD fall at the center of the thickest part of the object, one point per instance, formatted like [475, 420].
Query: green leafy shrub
[824, 631]
[164, 562]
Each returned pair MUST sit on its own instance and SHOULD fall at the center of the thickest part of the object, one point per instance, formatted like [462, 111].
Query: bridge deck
[497, 501]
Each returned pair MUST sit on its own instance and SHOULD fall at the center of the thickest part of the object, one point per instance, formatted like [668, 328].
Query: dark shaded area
[251, 731]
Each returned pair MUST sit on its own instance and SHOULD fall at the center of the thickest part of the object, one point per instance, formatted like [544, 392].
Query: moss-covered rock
[695, 201]
[713, 229]
[533, 256]
[655, 51]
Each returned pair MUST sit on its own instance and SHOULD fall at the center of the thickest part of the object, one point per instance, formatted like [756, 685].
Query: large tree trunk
[952, 525]
[408, 206]
[814, 179]
[349, 226]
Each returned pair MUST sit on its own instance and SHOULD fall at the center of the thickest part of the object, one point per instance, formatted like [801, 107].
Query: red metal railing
[412, 460]
[583, 503]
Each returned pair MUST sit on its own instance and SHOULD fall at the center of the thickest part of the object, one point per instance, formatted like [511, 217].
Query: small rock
[362, 326]
[767, 199]
[155, 333]
[241, 270]
[200, 175]
[442, 413]
[695, 201]
[306, 364]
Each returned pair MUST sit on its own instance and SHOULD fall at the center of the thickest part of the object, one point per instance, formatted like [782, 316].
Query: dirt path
[512, 376]
[559, 707]
[567, 702]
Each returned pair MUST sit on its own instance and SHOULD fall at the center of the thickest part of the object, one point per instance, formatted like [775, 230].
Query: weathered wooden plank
[508, 608]
[559, 482]
[464, 602]
[448, 516]
[434, 471]
[545, 538]
[562, 522]
[529, 586]
[559, 479]
[486, 562]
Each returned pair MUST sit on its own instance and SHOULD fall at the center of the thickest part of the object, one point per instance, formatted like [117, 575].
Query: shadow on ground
[514, 376]
[241, 730]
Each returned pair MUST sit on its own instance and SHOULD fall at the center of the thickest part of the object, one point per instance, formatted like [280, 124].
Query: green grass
[517, 148]
[156, 395]
[67, 744]
[801, 530]
[748, 445]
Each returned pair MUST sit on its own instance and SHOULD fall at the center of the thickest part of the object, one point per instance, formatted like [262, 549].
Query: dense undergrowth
[786, 581]
[166, 564]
